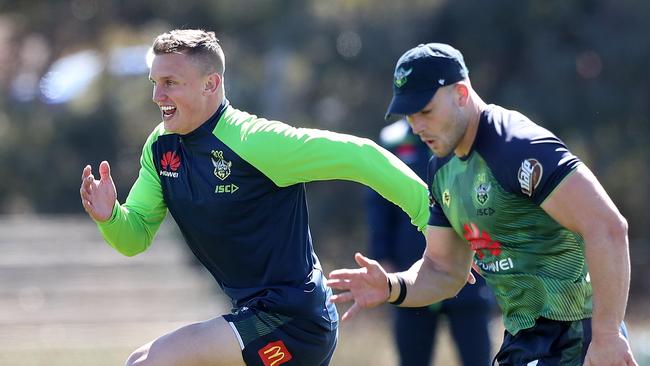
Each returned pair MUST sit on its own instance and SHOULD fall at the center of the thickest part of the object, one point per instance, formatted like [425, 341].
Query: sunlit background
[74, 91]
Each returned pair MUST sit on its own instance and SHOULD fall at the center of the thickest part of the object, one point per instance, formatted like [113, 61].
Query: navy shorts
[268, 338]
[548, 343]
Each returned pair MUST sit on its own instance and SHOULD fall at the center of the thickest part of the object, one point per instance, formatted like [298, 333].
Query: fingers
[352, 311]
[345, 273]
[86, 190]
[87, 179]
[339, 283]
[363, 261]
[87, 170]
[104, 170]
[87, 205]
[342, 297]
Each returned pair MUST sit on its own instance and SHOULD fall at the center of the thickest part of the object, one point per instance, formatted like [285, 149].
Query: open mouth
[167, 111]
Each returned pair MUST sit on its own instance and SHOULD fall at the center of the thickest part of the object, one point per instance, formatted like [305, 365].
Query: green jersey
[492, 198]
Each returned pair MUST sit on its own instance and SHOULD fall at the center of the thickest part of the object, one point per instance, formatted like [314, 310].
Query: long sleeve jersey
[235, 187]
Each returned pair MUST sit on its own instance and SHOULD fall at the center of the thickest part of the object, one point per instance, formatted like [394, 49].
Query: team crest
[400, 76]
[482, 192]
[221, 165]
[446, 197]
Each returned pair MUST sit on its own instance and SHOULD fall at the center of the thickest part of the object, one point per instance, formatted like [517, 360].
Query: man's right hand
[98, 196]
[366, 286]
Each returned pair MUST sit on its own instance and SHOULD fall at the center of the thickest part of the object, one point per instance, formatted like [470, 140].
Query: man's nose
[158, 95]
[416, 125]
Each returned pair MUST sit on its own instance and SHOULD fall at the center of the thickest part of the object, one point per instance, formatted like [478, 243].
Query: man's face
[179, 91]
[440, 123]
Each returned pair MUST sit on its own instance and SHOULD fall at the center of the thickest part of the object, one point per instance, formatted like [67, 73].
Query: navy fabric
[550, 342]
[506, 138]
[419, 73]
[303, 342]
[247, 213]
[467, 316]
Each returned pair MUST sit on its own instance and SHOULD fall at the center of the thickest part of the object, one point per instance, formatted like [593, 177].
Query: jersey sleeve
[289, 155]
[526, 159]
[436, 215]
[132, 226]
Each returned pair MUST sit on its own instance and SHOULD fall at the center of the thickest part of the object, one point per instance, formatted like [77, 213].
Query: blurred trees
[576, 67]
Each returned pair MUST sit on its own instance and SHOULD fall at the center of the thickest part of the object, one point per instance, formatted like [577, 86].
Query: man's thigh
[209, 343]
[268, 338]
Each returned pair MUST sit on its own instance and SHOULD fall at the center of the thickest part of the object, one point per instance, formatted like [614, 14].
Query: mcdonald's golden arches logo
[274, 353]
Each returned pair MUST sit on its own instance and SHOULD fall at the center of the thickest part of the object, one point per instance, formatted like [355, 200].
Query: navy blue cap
[420, 72]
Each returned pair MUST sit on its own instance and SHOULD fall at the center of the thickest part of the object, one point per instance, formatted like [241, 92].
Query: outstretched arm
[440, 274]
[581, 205]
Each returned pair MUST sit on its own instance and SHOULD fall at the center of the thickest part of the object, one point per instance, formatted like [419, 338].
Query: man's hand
[98, 196]
[366, 286]
[609, 350]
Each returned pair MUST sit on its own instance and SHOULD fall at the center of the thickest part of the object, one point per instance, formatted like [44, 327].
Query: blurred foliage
[577, 67]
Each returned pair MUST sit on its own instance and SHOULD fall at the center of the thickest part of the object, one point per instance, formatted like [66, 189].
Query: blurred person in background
[234, 184]
[396, 244]
[509, 197]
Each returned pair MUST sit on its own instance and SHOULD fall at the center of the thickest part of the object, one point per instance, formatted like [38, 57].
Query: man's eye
[169, 83]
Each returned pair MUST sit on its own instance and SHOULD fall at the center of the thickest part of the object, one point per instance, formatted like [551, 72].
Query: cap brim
[409, 103]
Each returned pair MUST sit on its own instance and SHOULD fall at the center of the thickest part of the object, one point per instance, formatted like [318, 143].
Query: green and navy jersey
[235, 187]
[492, 198]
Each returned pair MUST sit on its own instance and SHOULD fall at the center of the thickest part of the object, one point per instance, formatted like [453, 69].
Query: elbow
[611, 231]
[455, 282]
[128, 250]
[622, 224]
[458, 285]
[130, 253]
[618, 230]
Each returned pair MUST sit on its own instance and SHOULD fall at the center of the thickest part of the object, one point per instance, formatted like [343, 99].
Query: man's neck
[476, 108]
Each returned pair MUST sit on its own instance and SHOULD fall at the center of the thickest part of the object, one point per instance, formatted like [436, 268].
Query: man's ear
[462, 92]
[212, 83]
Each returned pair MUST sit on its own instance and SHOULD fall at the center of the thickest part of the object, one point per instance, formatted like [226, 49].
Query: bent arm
[440, 274]
[132, 226]
[581, 205]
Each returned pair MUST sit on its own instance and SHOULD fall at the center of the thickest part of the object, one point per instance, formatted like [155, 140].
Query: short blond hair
[200, 45]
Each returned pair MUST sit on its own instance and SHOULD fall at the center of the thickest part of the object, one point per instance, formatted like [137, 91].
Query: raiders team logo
[400, 76]
[529, 175]
[221, 166]
[482, 191]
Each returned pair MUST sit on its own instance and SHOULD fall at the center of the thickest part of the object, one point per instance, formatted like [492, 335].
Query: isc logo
[225, 188]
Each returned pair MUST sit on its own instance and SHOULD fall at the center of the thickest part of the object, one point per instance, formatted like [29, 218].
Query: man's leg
[415, 335]
[209, 343]
[469, 325]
